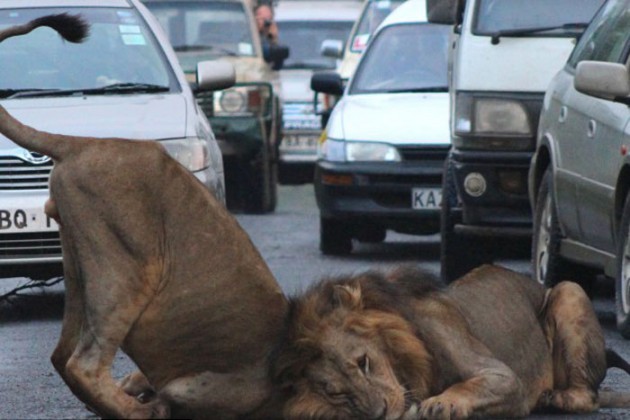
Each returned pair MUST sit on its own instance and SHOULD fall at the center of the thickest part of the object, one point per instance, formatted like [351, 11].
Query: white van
[503, 56]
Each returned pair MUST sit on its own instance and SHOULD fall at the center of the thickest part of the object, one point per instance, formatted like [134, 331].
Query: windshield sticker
[133, 39]
[245, 48]
[384, 4]
[129, 29]
[360, 41]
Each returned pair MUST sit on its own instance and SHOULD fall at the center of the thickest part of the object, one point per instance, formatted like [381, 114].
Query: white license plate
[297, 142]
[426, 198]
[25, 220]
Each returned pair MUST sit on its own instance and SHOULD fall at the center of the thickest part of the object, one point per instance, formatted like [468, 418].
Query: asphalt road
[288, 240]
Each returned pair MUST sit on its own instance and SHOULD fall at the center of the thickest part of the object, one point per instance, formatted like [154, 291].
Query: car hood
[132, 116]
[296, 85]
[401, 118]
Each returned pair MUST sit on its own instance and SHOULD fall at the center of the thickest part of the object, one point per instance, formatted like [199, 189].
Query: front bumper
[503, 209]
[379, 193]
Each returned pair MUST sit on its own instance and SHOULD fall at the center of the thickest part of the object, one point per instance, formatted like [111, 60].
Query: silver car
[579, 179]
[124, 81]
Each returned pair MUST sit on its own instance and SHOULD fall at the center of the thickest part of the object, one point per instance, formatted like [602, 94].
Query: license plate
[426, 198]
[25, 220]
[297, 142]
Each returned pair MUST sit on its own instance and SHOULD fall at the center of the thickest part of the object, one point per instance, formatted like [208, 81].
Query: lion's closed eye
[363, 363]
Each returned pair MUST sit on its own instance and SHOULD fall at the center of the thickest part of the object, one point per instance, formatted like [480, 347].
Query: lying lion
[495, 343]
[154, 265]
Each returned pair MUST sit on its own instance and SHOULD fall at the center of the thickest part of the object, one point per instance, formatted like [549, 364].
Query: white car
[123, 81]
[303, 27]
[381, 156]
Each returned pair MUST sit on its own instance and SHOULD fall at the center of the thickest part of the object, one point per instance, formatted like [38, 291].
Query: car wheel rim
[542, 242]
[625, 276]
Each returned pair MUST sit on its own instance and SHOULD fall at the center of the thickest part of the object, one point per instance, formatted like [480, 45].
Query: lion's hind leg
[578, 346]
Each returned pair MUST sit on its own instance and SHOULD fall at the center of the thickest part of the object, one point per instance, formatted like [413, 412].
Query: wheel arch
[537, 171]
[621, 192]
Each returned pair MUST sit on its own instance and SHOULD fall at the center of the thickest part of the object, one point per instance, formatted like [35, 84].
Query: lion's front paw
[155, 409]
[443, 408]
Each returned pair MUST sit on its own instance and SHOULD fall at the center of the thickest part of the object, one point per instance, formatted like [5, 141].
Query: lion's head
[350, 354]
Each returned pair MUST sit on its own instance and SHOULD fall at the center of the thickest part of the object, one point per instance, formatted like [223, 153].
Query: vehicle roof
[27, 4]
[309, 10]
[411, 11]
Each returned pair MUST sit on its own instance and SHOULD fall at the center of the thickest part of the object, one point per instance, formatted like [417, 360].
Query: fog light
[513, 182]
[474, 184]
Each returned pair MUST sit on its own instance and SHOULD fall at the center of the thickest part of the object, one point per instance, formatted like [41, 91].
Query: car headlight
[191, 152]
[503, 122]
[357, 151]
[246, 100]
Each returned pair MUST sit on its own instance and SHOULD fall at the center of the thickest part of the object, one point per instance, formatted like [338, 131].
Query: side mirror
[604, 80]
[332, 48]
[449, 12]
[215, 75]
[276, 54]
[327, 82]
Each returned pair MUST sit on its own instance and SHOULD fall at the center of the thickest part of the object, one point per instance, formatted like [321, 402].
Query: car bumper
[504, 207]
[378, 193]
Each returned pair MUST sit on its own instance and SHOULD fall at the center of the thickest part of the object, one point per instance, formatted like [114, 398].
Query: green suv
[246, 119]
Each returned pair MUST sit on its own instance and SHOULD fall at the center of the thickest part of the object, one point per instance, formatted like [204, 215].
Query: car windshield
[404, 58]
[304, 40]
[120, 51]
[492, 16]
[374, 13]
[202, 30]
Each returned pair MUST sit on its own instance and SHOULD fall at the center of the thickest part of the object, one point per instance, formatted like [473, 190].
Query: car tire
[622, 284]
[458, 253]
[548, 266]
[334, 237]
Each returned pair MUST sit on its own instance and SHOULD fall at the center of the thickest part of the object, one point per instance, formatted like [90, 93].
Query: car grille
[206, 102]
[30, 244]
[423, 153]
[16, 174]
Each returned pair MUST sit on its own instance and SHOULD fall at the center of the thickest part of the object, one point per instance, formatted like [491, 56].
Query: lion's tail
[610, 399]
[71, 28]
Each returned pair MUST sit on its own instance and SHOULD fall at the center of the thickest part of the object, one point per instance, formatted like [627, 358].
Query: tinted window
[374, 13]
[304, 40]
[496, 15]
[404, 58]
[205, 30]
[119, 49]
[607, 36]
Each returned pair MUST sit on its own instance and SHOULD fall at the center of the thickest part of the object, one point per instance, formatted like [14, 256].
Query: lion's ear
[347, 296]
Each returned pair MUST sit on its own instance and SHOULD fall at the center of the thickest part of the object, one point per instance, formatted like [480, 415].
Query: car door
[603, 134]
[589, 135]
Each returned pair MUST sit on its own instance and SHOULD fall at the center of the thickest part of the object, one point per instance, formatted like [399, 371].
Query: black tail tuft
[73, 28]
[613, 359]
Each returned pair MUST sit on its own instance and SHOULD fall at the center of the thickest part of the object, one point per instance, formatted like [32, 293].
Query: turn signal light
[336, 179]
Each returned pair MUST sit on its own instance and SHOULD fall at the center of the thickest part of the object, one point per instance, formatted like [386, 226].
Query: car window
[606, 38]
[373, 14]
[304, 40]
[404, 58]
[205, 30]
[120, 49]
[500, 15]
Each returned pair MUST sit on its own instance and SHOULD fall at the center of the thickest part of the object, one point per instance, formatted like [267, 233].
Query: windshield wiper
[577, 26]
[185, 48]
[429, 89]
[11, 93]
[116, 88]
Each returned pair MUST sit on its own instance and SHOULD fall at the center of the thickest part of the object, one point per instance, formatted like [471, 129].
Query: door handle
[592, 128]
[563, 114]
